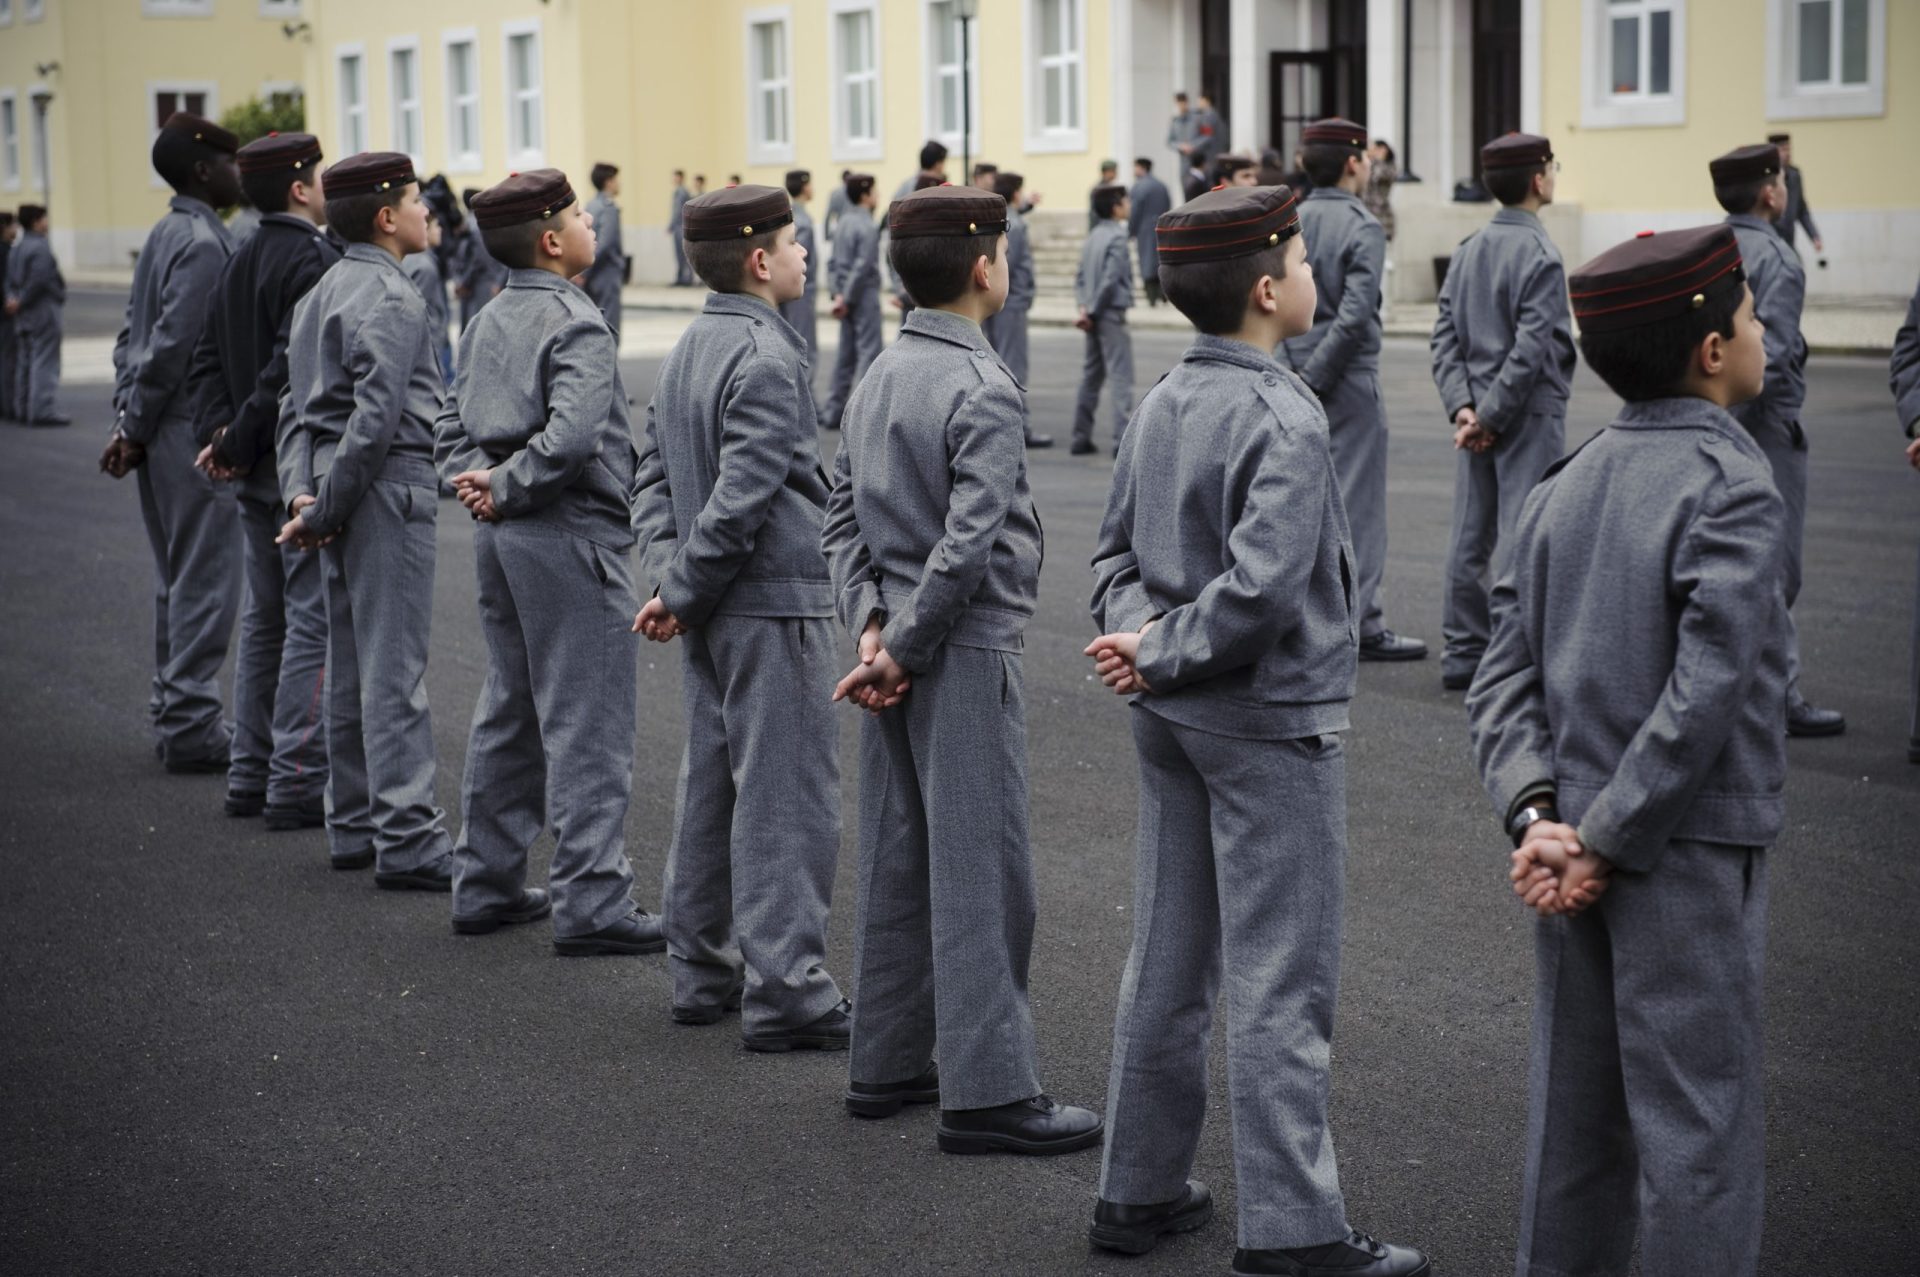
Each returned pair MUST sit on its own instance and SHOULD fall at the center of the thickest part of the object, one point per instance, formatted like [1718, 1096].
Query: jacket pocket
[1346, 591]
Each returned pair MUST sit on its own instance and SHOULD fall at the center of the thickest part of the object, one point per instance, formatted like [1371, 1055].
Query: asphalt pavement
[219, 1056]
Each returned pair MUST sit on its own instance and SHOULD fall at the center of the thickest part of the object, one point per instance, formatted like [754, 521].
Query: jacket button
[1270, 379]
[979, 354]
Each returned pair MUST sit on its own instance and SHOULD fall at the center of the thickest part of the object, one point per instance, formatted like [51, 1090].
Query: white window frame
[33, 10]
[845, 147]
[277, 9]
[463, 161]
[348, 114]
[11, 174]
[182, 87]
[934, 71]
[1788, 99]
[176, 8]
[287, 88]
[762, 149]
[524, 152]
[1600, 106]
[1040, 138]
[396, 107]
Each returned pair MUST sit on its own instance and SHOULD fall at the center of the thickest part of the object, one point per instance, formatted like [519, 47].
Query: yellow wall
[104, 195]
[1848, 163]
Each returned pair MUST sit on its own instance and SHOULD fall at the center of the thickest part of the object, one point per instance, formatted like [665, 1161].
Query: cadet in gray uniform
[1148, 199]
[853, 282]
[729, 501]
[1222, 587]
[682, 271]
[192, 523]
[279, 751]
[1627, 724]
[9, 231]
[609, 270]
[935, 548]
[1103, 290]
[36, 296]
[1795, 213]
[1748, 184]
[1007, 331]
[424, 270]
[837, 203]
[481, 276]
[802, 313]
[1905, 365]
[1339, 358]
[355, 451]
[1502, 360]
[536, 443]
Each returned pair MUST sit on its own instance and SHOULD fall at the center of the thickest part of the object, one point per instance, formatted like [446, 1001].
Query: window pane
[460, 69]
[763, 52]
[1816, 41]
[1072, 111]
[1626, 55]
[1853, 42]
[949, 121]
[946, 33]
[524, 109]
[1055, 98]
[1050, 27]
[780, 117]
[1660, 51]
[525, 76]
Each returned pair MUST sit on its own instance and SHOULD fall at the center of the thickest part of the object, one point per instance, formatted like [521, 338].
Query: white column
[1383, 71]
[1246, 67]
[1120, 38]
[1440, 165]
[1530, 38]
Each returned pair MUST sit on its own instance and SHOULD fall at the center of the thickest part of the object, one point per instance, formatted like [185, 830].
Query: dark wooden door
[1496, 69]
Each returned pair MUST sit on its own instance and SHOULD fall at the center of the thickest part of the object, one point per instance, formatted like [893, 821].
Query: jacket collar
[946, 326]
[751, 307]
[372, 253]
[1752, 221]
[537, 279]
[1226, 350]
[292, 222]
[1333, 193]
[1683, 412]
[203, 211]
[1515, 217]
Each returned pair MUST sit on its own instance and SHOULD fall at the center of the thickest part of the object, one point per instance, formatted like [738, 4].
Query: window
[176, 8]
[1635, 65]
[769, 75]
[856, 80]
[163, 99]
[403, 94]
[282, 95]
[279, 8]
[526, 121]
[6, 13]
[352, 63]
[1826, 58]
[463, 101]
[1056, 84]
[9, 140]
[944, 92]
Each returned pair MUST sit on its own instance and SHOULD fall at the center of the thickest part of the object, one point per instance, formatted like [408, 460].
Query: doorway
[1496, 70]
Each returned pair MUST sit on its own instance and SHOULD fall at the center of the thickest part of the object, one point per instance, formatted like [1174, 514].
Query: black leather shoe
[638, 932]
[246, 802]
[831, 1032]
[1804, 720]
[204, 765]
[1082, 448]
[1135, 1230]
[1388, 646]
[311, 814]
[1455, 681]
[707, 1012]
[532, 905]
[1039, 441]
[352, 860]
[437, 876]
[884, 1099]
[1039, 1126]
[1358, 1256]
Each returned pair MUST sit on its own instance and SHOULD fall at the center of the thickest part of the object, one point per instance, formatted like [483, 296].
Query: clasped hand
[1553, 874]
[295, 531]
[474, 488]
[1469, 435]
[1115, 658]
[658, 624]
[878, 682]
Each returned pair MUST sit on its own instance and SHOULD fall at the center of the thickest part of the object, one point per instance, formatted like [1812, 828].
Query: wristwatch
[1524, 818]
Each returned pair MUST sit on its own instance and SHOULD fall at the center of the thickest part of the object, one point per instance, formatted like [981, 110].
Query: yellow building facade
[84, 85]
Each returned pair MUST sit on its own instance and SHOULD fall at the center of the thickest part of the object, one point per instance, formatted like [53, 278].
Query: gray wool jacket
[363, 388]
[1348, 249]
[931, 525]
[1903, 368]
[1503, 343]
[538, 399]
[1225, 528]
[728, 493]
[1104, 280]
[173, 285]
[1779, 284]
[1638, 662]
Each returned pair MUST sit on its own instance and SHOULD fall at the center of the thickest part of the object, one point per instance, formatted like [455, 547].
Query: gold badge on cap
[746, 230]
[1699, 300]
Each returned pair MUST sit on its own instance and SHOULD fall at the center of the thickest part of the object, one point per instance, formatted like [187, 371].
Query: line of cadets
[1232, 593]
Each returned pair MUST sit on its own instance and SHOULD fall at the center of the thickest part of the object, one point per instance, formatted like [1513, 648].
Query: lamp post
[966, 11]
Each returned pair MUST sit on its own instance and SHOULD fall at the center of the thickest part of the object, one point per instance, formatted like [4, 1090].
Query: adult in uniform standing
[1180, 135]
[609, 270]
[1145, 203]
[1906, 396]
[1796, 213]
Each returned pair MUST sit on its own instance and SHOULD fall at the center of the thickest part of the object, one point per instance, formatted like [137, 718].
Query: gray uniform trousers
[1108, 359]
[1488, 490]
[859, 347]
[803, 316]
[946, 884]
[756, 836]
[1007, 334]
[380, 750]
[280, 667]
[1786, 449]
[604, 288]
[193, 525]
[8, 354]
[1241, 867]
[36, 368]
[1357, 437]
[553, 728]
[1644, 1095]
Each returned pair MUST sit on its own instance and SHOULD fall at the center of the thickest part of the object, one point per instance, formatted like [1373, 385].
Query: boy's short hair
[6, 219]
[601, 174]
[31, 215]
[1649, 361]
[1742, 174]
[516, 247]
[1511, 185]
[1325, 162]
[985, 169]
[858, 186]
[1143, 162]
[721, 264]
[1007, 185]
[1216, 246]
[1106, 198]
[679, 172]
[1213, 295]
[934, 268]
[931, 154]
[268, 192]
[1741, 196]
[351, 217]
[797, 180]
